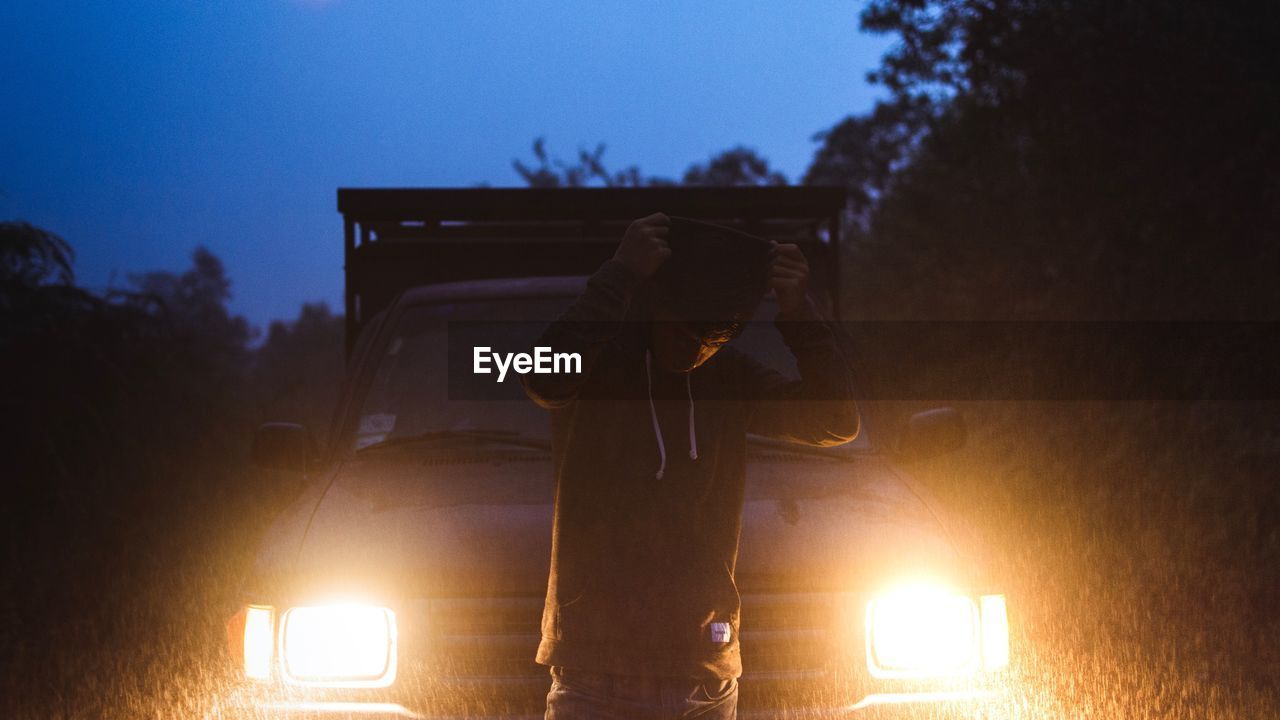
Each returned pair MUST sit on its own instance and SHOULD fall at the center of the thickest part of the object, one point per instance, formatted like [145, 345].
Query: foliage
[864, 153]
[736, 166]
[1084, 159]
[739, 165]
[1090, 159]
[130, 510]
[192, 306]
[31, 257]
[586, 170]
[297, 372]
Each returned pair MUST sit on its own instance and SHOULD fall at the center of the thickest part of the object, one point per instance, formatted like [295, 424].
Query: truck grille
[465, 655]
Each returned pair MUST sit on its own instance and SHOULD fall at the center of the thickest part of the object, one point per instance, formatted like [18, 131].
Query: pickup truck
[408, 577]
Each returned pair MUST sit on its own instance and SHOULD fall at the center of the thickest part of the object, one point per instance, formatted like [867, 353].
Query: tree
[864, 152]
[739, 165]
[1090, 159]
[194, 304]
[125, 435]
[37, 285]
[31, 257]
[587, 170]
[297, 373]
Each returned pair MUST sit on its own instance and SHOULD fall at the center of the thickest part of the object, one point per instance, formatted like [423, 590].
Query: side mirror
[931, 433]
[283, 446]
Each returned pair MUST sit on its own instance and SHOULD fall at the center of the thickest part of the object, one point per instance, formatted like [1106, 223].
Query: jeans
[578, 694]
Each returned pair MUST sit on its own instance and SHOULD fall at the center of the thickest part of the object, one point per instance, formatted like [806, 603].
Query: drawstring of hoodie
[693, 436]
[653, 415]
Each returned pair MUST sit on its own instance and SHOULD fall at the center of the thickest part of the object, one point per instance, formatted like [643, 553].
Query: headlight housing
[250, 640]
[339, 645]
[331, 645]
[929, 631]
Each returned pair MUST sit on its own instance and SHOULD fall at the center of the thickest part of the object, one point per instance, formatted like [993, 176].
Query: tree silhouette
[194, 305]
[30, 257]
[1090, 159]
[739, 165]
[297, 373]
[125, 430]
[588, 169]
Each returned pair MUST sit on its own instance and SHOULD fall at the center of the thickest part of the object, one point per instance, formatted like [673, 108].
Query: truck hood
[479, 521]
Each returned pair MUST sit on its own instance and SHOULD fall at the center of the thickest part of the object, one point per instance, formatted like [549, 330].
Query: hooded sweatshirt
[650, 469]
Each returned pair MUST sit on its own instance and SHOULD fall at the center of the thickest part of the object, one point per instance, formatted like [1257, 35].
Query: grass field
[1138, 545]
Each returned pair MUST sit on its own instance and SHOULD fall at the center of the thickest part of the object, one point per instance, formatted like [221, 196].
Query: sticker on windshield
[376, 423]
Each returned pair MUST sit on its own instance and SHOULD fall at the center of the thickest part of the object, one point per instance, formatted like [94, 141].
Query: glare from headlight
[340, 645]
[258, 636]
[995, 632]
[922, 630]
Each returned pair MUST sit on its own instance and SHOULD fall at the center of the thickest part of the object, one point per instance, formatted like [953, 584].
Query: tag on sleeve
[720, 632]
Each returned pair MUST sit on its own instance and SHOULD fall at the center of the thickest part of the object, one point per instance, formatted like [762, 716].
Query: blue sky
[139, 130]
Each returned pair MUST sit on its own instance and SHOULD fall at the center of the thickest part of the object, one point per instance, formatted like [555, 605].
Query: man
[642, 612]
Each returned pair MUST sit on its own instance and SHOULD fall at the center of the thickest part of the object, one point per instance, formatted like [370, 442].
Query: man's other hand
[789, 276]
[644, 246]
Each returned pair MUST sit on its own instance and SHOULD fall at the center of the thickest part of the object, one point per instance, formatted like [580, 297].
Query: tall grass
[1138, 544]
[131, 513]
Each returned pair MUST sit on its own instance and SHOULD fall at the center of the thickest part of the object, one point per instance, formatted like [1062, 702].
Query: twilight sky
[138, 130]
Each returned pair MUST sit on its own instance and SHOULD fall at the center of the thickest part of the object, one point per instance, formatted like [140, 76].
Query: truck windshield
[414, 392]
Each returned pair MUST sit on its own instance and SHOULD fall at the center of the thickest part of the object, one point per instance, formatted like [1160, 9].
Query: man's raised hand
[644, 246]
[788, 276]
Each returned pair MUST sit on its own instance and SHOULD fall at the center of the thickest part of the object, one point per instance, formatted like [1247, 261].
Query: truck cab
[408, 577]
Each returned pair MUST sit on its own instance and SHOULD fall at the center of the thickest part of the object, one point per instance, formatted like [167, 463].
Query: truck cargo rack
[398, 238]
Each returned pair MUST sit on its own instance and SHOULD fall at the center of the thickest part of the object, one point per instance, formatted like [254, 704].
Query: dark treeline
[1091, 160]
[129, 508]
[1032, 160]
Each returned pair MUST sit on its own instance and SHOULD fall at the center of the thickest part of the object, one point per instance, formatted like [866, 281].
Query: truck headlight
[250, 634]
[346, 645]
[920, 631]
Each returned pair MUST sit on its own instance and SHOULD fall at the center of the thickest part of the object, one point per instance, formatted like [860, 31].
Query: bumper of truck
[253, 703]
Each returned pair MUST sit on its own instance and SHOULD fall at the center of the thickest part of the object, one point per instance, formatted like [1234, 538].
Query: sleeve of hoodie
[586, 327]
[818, 409]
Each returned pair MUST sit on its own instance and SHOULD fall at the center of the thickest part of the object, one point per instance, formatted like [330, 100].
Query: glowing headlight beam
[251, 639]
[258, 631]
[923, 630]
[995, 632]
[339, 645]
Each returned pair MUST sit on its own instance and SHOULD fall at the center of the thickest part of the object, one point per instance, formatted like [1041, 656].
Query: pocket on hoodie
[567, 607]
[711, 693]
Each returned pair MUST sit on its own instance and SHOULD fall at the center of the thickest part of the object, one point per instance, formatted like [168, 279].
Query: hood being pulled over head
[715, 277]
